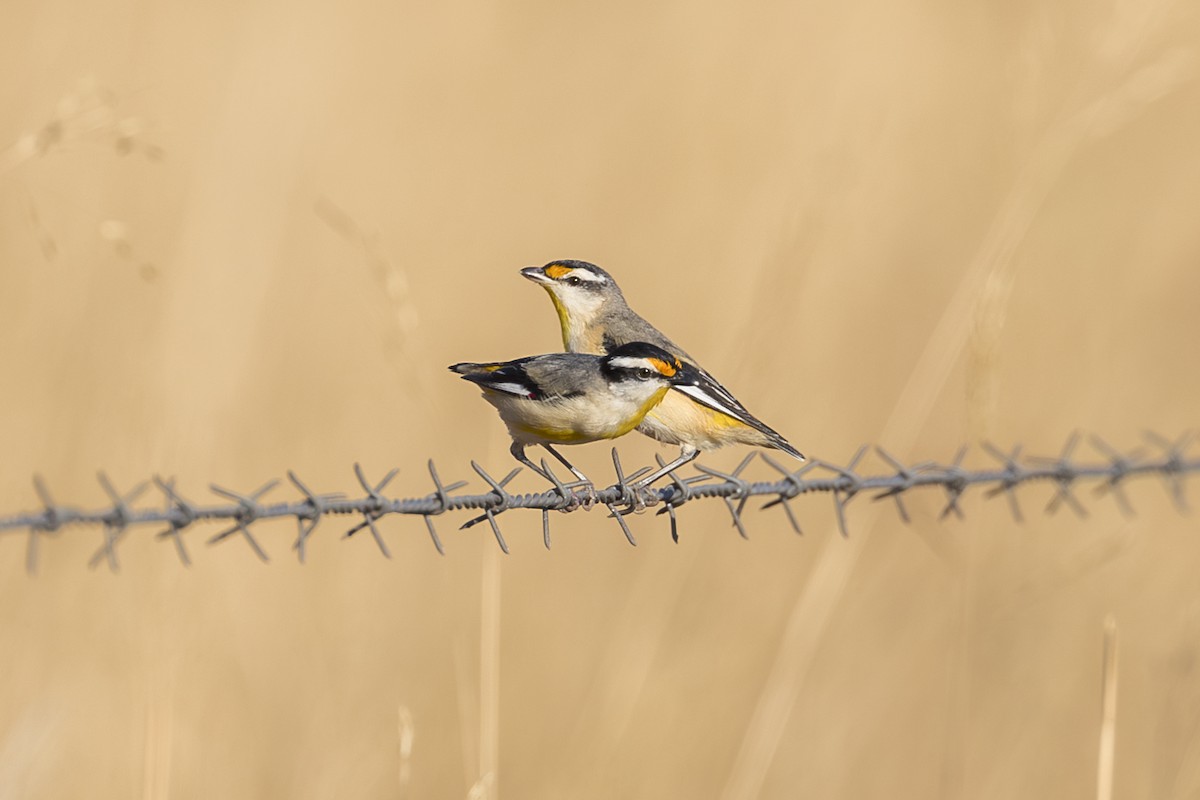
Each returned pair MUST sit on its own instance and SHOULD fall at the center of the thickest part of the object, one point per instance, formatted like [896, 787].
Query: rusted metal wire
[1168, 461]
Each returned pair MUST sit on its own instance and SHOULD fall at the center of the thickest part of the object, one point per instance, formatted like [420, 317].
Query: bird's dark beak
[536, 274]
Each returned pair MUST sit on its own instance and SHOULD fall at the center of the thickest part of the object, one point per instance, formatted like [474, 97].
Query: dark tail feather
[469, 367]
[780, 443]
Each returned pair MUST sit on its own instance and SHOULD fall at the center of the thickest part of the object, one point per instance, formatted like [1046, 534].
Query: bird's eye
[645, 374]
[574, 281]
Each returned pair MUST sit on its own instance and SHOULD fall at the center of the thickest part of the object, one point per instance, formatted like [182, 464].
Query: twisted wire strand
[241, 511]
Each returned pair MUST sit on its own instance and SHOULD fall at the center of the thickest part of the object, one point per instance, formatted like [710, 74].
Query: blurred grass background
[237, 238]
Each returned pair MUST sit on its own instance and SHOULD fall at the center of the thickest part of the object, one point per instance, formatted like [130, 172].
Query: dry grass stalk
[1108, 713]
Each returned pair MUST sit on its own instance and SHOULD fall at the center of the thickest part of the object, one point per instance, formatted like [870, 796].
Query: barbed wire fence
[1165, 459]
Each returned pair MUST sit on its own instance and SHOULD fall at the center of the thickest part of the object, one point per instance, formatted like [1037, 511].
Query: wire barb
[115, 526]
[376, 511]
[1012, 478]
[628, 495]
[187, 515]
[846, 490]
[741, 491]
[504, 499]
[681, 492]
[248, 511]
[1175, 466]
[318, 505]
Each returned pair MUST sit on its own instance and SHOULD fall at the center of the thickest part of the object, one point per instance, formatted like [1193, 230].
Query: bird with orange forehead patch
[596, 319]
[575, 398]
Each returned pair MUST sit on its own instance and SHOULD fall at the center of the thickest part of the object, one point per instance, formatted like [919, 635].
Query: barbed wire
[625, 496]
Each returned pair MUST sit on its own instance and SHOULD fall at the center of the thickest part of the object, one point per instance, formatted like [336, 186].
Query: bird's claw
[587, 498]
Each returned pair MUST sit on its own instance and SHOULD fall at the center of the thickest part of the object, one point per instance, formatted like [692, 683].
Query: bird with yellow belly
[596, 319]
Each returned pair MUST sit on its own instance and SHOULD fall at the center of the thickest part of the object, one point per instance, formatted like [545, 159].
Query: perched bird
[697, 416]
[575, 398]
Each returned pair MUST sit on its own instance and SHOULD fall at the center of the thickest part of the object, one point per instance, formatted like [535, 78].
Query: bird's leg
[518, 452]
[687, 454]
[583, 478]
[584, 482]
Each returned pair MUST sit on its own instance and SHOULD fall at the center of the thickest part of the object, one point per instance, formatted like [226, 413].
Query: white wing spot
[511, 388]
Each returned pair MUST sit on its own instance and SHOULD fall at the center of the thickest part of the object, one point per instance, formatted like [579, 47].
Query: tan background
[242, 238]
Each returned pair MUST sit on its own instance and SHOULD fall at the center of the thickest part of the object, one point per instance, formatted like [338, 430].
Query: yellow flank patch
[680, 419]
[723, 420]
[556, 271]
[559, 435]
[663, 367]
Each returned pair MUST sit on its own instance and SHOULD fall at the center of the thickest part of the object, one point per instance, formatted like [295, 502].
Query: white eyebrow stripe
[629, 362]
[586, 275]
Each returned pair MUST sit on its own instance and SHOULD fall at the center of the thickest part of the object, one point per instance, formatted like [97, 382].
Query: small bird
[575, 398]
[697, 416]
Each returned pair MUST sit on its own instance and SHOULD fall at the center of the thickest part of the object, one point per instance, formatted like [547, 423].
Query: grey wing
[564, 375]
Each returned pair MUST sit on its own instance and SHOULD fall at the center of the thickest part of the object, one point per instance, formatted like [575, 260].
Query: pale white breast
[582, 309]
